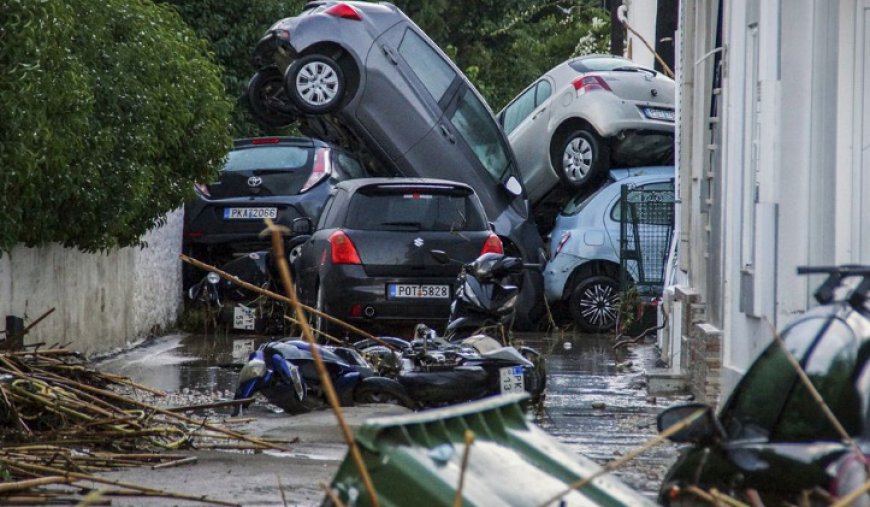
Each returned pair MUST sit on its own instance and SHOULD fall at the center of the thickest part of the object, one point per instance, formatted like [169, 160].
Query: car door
[525, 122]
[407, 82]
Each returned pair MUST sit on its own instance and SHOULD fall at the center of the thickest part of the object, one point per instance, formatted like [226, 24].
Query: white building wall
[642, 17]
[102, 301]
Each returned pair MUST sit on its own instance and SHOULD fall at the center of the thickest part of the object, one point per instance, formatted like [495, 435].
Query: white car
[584, 113]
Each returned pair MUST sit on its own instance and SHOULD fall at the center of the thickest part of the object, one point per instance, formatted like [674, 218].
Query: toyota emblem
[255, 181]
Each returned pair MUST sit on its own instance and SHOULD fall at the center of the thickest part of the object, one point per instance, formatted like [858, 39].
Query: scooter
[285, 373]
[466, 364]
[238, 307]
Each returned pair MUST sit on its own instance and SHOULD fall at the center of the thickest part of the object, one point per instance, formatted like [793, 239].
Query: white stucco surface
[102, 301]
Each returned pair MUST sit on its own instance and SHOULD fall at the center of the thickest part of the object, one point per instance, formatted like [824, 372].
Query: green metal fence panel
[645, 229]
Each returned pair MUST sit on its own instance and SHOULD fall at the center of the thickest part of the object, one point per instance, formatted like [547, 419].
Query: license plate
[511, 379]
[250, 213]
[242, 349]
[244, 317]
[659, 114]
[417, 291]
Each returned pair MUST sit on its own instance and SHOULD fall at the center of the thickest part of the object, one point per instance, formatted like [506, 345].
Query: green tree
[110, 109]
[233, 28]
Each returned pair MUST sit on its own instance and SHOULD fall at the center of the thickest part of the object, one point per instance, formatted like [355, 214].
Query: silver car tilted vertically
[584, 113]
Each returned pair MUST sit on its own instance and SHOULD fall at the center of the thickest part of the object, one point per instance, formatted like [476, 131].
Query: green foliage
[233, 28]
[504, 45]
[110, 110]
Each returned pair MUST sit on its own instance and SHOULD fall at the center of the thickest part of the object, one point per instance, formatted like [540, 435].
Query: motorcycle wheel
[382, 393]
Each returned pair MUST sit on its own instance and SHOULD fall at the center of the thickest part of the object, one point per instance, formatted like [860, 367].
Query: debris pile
[61, 422]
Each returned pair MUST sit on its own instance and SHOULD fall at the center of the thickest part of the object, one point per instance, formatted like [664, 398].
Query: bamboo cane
[326, 382]
[469, 439]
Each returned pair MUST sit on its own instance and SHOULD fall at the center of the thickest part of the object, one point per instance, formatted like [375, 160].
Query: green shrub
[110, 109]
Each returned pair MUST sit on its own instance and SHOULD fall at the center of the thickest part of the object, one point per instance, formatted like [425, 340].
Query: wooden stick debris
[469, 439]
[325, 381]
[715, 497]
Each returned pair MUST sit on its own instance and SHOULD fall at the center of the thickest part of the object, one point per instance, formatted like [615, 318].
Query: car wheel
[594, 304]
[267, 99]
[315, 84]
[584, 158]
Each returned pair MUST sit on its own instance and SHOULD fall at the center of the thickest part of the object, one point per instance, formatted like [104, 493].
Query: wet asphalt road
[596, 404]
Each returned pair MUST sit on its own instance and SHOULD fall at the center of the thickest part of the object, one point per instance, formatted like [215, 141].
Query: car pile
[378, 98]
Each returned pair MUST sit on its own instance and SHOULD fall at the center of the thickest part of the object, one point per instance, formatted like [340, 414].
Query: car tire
[594, 303]
[315, 84]
[582, 160]
[268, 100]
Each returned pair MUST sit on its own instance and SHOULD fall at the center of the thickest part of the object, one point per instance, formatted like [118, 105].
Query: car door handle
[446, 133]
[390, 54]
[535, 116]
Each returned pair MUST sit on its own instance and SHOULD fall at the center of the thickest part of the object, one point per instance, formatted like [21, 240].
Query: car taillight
[343, 250]
[320, 170]
[564, 239]
[492, 245]
[585, 84]
[344, 11]
[202, 188]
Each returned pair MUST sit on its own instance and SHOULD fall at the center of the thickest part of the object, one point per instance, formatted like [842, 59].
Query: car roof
[621, 174]
[356, 184]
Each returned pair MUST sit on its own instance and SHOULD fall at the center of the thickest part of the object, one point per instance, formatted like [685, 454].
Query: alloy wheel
[317, 83]
[577, 159]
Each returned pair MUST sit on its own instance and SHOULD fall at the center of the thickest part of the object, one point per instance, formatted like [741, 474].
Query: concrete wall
[102, 301]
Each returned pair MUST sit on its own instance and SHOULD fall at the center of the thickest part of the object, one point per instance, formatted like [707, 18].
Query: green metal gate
[645, 230]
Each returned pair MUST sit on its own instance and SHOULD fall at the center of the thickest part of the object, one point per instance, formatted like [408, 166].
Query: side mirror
[513, 186]
[302, 225]
[703, 428]
[440, 256]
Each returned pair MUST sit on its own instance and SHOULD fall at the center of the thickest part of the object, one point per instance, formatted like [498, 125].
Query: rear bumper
[345, 286]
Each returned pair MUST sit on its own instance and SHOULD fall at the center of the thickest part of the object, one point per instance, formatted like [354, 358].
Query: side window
[543, 92]
[616, 211]
[349, 166]
[321, 221]
[435, 73]
[476, 126]
[518, 110]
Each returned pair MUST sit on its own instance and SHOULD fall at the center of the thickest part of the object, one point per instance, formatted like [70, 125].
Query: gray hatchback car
[364, 76]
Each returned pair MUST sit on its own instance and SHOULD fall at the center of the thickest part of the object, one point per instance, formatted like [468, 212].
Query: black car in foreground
[772, 436]
[369, 259]
[282, 178]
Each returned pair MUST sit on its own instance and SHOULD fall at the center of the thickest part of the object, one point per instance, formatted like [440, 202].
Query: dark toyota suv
[282, 178]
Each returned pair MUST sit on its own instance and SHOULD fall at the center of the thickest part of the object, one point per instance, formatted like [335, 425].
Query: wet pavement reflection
[596, 404]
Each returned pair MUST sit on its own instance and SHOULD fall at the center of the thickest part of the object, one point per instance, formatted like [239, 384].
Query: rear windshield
[580, 201]
[268, 157]
[414, 210]
[602, 64]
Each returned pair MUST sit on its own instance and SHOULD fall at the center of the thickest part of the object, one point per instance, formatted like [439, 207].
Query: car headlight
[213, 278]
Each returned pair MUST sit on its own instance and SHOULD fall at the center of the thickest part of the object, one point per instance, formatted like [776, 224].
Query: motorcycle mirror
[302, 225]
[440, 256]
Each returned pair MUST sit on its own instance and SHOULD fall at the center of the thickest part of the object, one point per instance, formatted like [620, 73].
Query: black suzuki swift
[369, 258]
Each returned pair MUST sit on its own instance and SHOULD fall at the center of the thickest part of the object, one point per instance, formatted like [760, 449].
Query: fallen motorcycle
[433, 371]
[284, 372]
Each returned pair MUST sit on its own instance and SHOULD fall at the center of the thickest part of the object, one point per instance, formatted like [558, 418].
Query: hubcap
[577, 159]
[317, 83]
[598, 305]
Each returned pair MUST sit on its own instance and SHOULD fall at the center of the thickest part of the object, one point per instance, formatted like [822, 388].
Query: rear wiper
[632, 68]
[416, 225]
